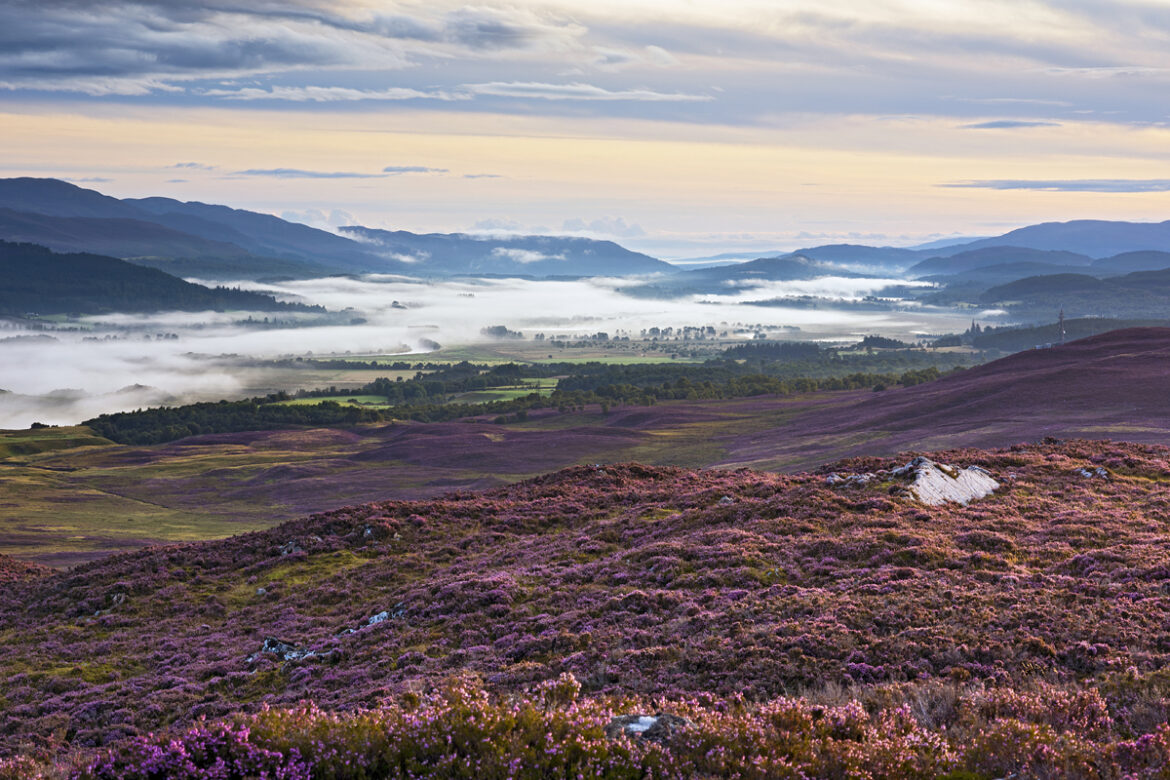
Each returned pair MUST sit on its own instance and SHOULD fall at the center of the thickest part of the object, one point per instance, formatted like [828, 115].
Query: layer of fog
[831, 288]
[118, 362]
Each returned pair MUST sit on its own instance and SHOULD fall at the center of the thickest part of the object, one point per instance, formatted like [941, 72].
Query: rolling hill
[1127, 262]
[813, 619]
[217, 242]
[37, 280]
[460, 254]
[783, 623]
[1093, 237]
[1141, 294]
[972, 259]
[719, 279]
[1110, 385]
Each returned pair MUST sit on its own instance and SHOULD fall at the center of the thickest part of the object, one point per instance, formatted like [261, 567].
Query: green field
[34, 441]
[542, 385]
[375, 401]
[618, 353]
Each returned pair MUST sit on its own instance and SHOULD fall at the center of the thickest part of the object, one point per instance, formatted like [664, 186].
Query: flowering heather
[14, 570]
[834, 630]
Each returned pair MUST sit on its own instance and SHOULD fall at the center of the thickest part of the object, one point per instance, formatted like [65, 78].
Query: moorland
[795, 625]
[372, 503]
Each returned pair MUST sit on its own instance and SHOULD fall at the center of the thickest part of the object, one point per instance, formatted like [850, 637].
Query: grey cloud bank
[751, 61]
[1069, 185]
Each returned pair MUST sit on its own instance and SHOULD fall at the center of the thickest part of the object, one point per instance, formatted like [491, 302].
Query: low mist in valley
[115, 362]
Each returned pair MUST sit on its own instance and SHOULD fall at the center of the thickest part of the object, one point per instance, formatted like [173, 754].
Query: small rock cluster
[659, 728]
[929, 482]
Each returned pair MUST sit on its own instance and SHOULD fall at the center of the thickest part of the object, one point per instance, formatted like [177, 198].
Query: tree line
[163, 424]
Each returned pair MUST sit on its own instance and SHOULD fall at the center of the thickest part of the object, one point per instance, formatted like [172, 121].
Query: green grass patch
[35, 441]
[358, 400]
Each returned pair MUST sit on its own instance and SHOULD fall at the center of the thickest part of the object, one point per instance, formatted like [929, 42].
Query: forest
[427, 396]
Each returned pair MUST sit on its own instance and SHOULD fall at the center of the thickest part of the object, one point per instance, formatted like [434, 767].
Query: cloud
[1007, 124]
[612, 59]
[420, 257]
[524, 255]
[176, 181]
[609, 226]
[1069, 185]
[535, 90]
[1014, 100]
[1108, 72]
[496, 224]
[135, 47]
[395, 170]
[482, 176]
[311, 94]
[297, 173]
[660, 56]
[492, 29]
[192, 166]
[90, 180]
[335, 219]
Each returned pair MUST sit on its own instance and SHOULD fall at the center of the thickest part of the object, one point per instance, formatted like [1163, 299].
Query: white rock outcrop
[938, 483]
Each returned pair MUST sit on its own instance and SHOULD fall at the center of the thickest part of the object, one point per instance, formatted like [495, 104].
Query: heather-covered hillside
[1112, 385]
[1039, 610]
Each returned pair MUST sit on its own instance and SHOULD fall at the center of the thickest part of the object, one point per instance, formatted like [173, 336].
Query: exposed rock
[1096, 472]
[286, 651]
[726, 500]
[929, 482]
[939, 483]
[850, 479]
[659, 728]
[290, 548]
[381, 617]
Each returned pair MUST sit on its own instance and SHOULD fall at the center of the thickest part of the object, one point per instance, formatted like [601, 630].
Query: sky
[681, 128]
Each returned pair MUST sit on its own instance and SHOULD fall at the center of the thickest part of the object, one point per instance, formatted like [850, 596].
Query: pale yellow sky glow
[707, 126]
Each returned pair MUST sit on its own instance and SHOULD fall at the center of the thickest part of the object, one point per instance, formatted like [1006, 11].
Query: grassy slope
[63, 507]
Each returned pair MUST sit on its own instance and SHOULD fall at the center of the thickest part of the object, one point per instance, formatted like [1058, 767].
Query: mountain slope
[779, 269]
[457, 253]
[989, 275]
[1113, 384]
[717, 279]
[56, 198]
[218, 242]
[1093, 237]
[266, 235]
[996, 255]
[39, 281]
[1134, 261]
[118, 237]
[886, 257]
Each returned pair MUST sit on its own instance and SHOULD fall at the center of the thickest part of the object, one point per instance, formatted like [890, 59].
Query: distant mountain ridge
[1096, 239]
[459, 254]
[971, 259]
[40, 281]
[219, 242]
